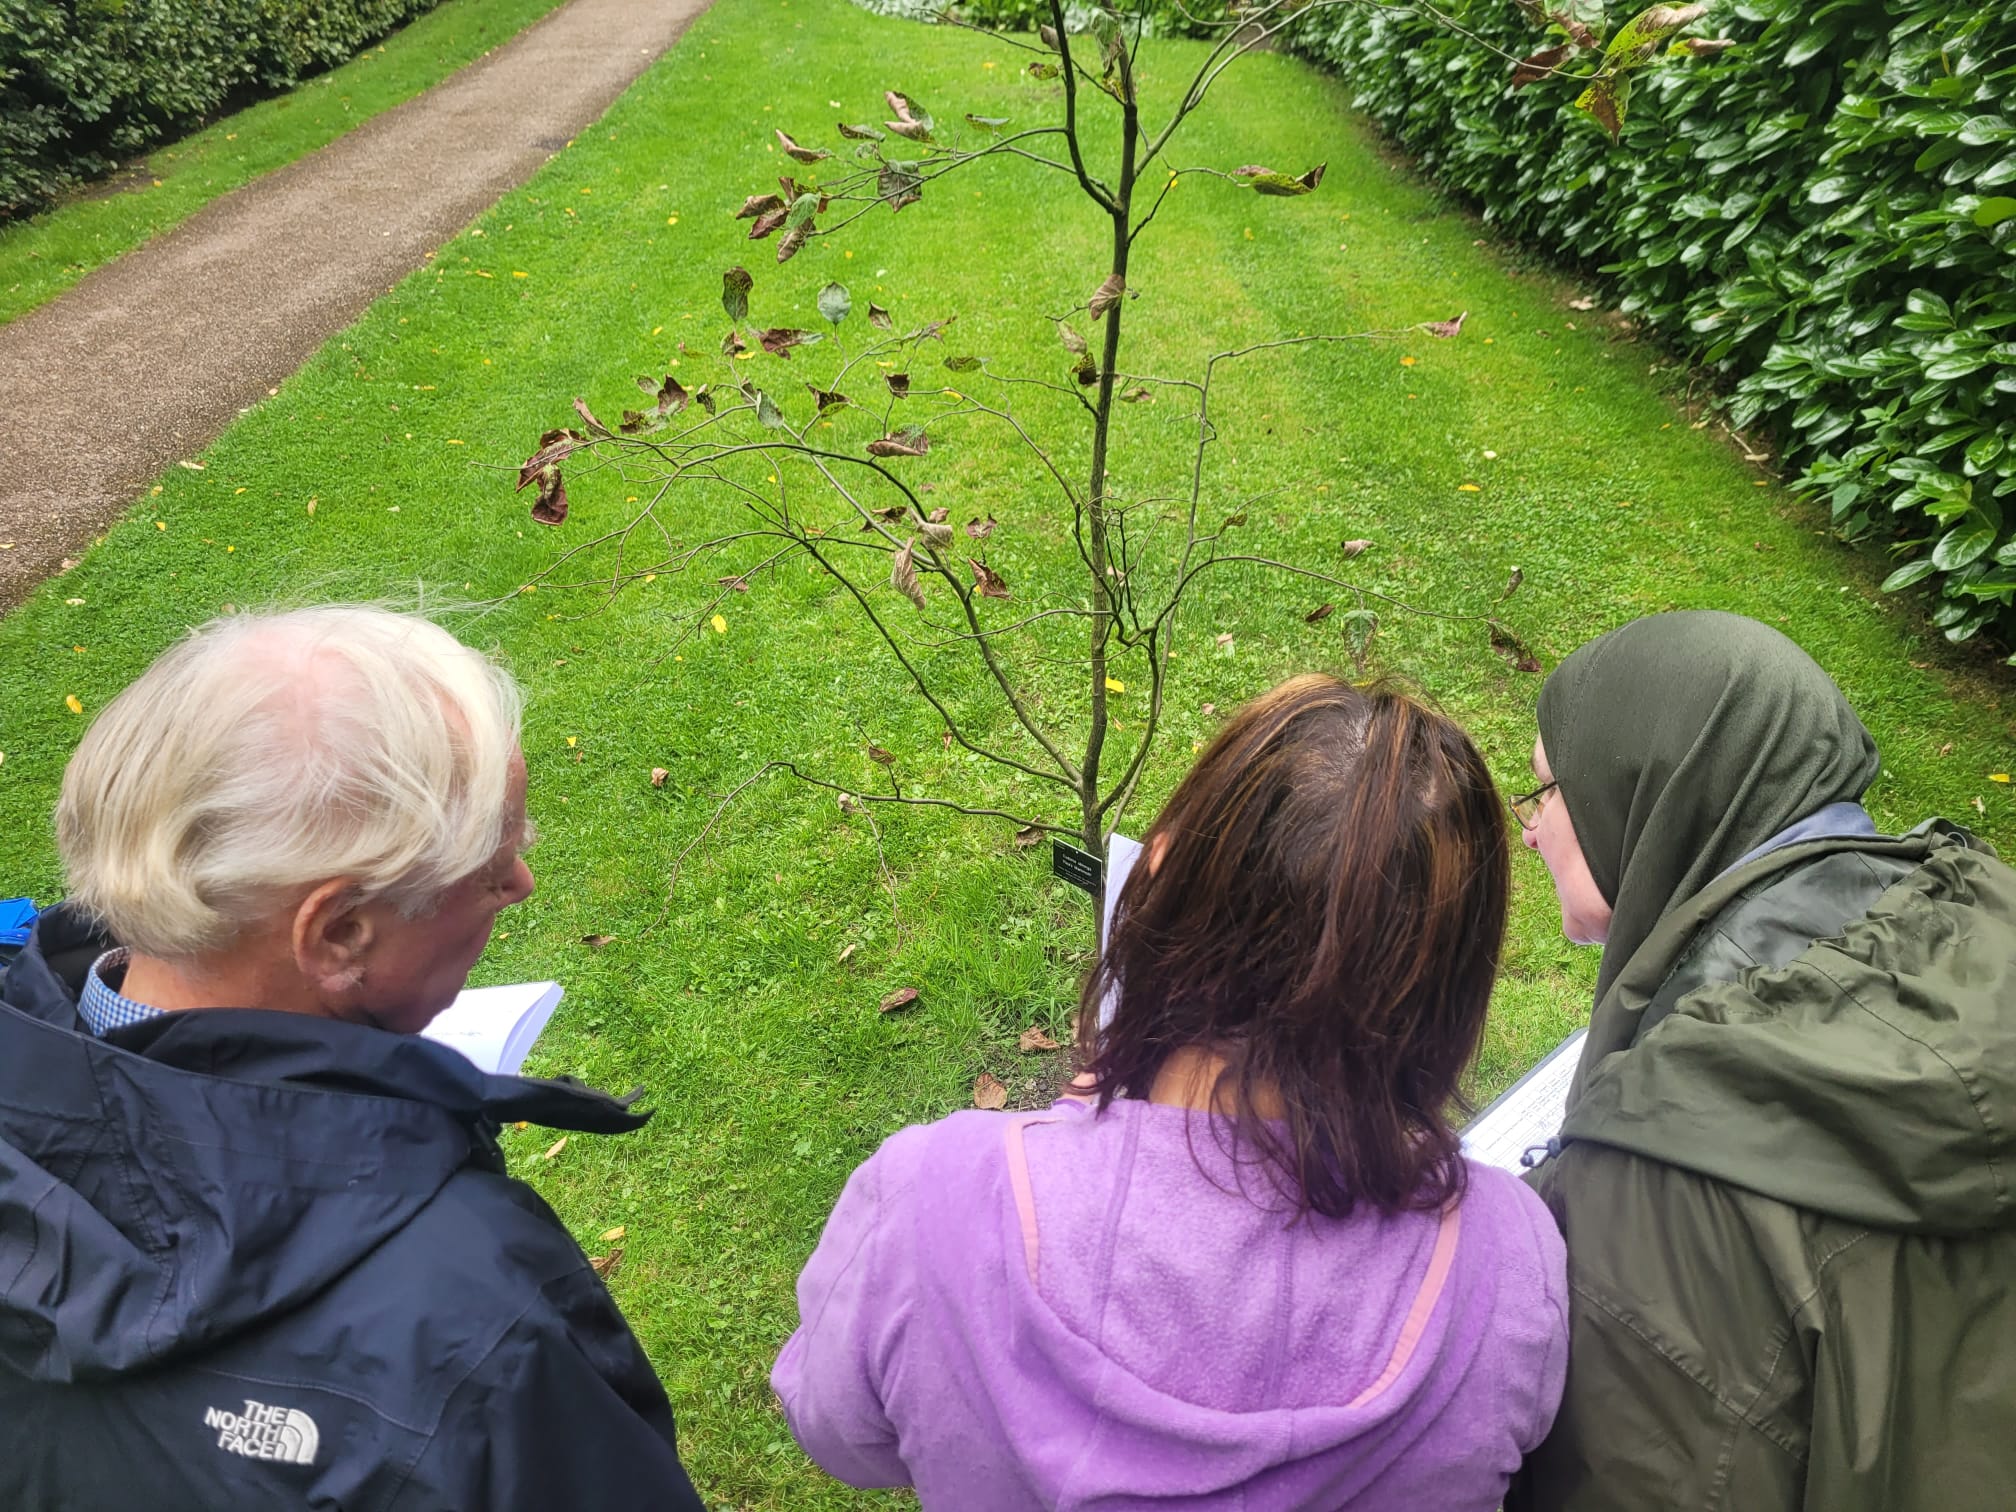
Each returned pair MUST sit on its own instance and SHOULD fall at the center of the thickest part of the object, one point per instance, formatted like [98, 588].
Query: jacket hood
[1871, 1077]
[165, 1189]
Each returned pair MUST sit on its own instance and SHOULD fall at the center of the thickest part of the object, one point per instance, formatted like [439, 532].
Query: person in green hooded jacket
[1785, 1173]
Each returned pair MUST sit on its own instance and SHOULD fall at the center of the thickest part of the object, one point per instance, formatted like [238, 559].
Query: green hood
[1871, 1077]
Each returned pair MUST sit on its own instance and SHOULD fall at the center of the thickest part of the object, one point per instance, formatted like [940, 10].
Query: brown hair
[1326, 915]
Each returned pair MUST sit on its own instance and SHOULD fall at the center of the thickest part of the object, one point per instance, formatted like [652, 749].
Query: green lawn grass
[740, 1006]
[42, 256]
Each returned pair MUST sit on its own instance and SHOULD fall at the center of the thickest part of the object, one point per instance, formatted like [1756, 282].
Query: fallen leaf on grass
[720, 625]
[1354, 548]
[847, 952]
[1024, 838]
[1998, 776]
[989, 1093]
[73, 703]
[1137, 396]
[1034, 1040]
[880, 756]
[1581, 304]
[612, 1236]
[658, 776]
[555, 1148]
[1446, 329]
[1946, 749]
[605, 1265]
[1514, 650]
[597, 941]
[902, 997]
[1319, 614]
[1208, 710]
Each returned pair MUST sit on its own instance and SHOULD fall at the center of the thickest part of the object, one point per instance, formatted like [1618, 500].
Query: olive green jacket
[1785, 1182]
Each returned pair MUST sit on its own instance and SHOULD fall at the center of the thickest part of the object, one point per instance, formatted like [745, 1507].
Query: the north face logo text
[267, 1433]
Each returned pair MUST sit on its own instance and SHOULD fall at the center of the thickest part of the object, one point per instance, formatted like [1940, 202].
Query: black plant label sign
[1080, 868]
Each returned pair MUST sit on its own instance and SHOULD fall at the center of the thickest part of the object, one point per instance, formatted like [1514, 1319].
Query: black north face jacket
[258, 1260]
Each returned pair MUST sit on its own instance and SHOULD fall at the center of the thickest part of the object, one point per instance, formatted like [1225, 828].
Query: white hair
[268, 753]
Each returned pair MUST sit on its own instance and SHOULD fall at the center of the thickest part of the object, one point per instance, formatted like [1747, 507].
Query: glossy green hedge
[84, 83]
[1825, 214]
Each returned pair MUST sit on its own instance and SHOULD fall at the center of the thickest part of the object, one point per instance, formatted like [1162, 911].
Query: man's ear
[332, 935]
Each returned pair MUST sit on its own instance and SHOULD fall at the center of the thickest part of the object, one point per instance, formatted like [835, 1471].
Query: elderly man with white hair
[257, 1244]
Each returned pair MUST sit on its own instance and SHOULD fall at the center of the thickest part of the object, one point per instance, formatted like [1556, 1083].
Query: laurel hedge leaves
[1825, 214]
[84, 83]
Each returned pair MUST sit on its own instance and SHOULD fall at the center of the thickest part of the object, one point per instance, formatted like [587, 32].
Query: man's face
[414, 967]
[1585, 913]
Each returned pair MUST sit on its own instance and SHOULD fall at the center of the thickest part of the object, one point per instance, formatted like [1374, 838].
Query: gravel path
[145, 361]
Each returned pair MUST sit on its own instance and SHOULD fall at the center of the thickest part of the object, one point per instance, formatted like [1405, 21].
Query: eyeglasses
[1526, 807]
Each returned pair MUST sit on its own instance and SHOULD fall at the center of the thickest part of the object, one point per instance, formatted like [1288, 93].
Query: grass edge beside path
[47, 253]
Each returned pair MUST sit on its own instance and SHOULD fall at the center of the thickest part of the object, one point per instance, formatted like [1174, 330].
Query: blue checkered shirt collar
[104, 1008]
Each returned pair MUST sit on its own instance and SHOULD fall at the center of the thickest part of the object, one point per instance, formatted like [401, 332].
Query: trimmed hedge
[84, 83]
[1825, 214]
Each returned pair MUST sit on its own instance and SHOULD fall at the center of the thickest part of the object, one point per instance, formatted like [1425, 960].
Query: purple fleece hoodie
[1062, 1310]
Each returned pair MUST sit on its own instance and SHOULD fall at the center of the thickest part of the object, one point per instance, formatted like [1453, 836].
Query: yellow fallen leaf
[311, 506]
[720, 625]
[516, 274]
[521, 1126]
[154, 492]
[229, 549]
[650, 577]
[613, 1235]
[74, 704]
[1249, 233]
[555, 1148]
[481, 274]
[1114, 685]
[160, 524]
[1998, 776]
[1468, 488]
[570, 741]
[455, 443]
[237, 491]
[1409, 361]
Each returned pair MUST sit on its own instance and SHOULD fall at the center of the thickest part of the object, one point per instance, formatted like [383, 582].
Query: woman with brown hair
[1250, 1269]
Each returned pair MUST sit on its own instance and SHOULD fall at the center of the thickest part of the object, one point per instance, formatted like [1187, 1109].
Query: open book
[496, 1026]
[1528, 1113]
[1525, 1117]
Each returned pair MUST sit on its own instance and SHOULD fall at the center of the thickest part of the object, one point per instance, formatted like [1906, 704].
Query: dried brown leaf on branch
[989, 1093]
[990, 583]
[735, 286]
[779, 340]
[801, 154]
[859, 133]
[907, 109]
[897, 188]
[594, 426]
[767, 222]
[1537, 66]
[1033, 1041]
[936, 532]
[902, 997]
[980, 529]
[758, 205]
[1319, 614]
[879, 317]
[1073, 342]
[1446, 329]
[905, 443]
[939, 515]
[550, 507]
[828, 399]
[791, 241]
[899, 384]
[879, 756]
[1106, 296]
[903, 574]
